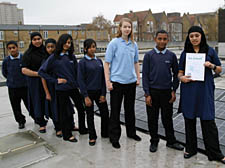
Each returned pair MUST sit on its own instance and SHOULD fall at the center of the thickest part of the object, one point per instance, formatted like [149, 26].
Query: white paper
[195, 66]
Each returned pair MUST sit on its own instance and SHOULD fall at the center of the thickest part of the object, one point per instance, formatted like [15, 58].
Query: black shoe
[92, 143]
[153, 147]
[222, 161]
[176, 146]
[135, 137]
[21, 126]
[189, 155]
[116, 145]
[59, 135]
[72, 140]
[75, 129]
[83, 131]
[42, 131]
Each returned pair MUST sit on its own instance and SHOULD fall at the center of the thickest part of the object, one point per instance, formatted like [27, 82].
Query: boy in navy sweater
[159, 75]
[16, 82]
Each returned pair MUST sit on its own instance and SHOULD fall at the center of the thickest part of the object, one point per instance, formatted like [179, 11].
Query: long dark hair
[59, 45]
[188, 47]
[87, 45]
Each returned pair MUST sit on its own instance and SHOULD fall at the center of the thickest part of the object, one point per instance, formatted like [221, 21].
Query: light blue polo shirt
[122, 56]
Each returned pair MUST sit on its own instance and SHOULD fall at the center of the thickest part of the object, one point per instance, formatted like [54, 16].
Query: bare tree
[100, 23]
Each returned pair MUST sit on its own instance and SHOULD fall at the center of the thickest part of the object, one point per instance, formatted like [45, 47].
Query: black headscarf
[188, 47]
[34, 55]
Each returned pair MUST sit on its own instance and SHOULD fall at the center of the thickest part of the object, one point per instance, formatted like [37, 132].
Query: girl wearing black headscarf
[31, 62]
[198, 97]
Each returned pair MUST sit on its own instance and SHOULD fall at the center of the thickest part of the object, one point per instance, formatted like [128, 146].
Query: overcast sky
[73, 12]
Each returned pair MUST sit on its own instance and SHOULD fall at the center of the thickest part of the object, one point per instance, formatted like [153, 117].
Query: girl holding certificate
[198, 97]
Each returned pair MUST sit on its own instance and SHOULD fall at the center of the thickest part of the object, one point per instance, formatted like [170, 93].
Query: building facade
[146, 24]
[10, 14]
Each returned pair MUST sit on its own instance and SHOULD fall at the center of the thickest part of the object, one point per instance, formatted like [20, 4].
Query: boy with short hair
[159, 75]
[16, 82]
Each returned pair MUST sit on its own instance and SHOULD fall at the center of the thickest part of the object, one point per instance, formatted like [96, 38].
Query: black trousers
[160, 100]
[128, 92]
[15, 97]
[104, 112]
[66, 116]
[79, 104]
[210, 138]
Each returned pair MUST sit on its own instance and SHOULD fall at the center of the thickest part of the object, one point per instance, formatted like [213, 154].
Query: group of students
[54, 77]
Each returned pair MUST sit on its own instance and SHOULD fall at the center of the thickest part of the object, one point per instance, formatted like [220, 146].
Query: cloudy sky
[73, 12]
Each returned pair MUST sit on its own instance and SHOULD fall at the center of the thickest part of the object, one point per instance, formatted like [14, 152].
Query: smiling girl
[61, 69]
[31, 62]
[197, 97]
[122, 75]
[92, 84]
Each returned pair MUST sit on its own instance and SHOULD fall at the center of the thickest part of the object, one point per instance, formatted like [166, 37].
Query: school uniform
[91, 81]
[51, 109]
[198, 102]
[159, 75]
[66, 68]
[122, 56]
[32, 60]
[17, 85]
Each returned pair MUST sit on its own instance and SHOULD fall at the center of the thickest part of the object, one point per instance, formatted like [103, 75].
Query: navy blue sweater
[62, 67]
[11, 70]
[91, 76]
[160, 71]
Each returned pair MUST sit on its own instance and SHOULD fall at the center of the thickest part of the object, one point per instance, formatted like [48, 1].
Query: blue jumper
[91, 75]
[11, 70]
[160, 70]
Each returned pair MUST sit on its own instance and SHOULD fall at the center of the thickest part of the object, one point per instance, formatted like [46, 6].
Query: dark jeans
[210, 138]
[15, 97]
[160, 100]
[104, 112]
[128, 92]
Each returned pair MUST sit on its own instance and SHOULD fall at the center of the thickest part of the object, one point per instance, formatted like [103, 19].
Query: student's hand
[48, 97]
[186, 79]
[88, 102]
[109, 85]
[102, 99]
[138, 82]
[61, 80]
[209, 65]
[173, 97]
[148, 101]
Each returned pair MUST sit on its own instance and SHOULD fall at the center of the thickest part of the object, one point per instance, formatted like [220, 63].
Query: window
[82, 33]
[45, 34]
[21, 44]
[1, 35]
[15, 33]
[150, 26]
[135, 26]
[1, 44]
[70, 32]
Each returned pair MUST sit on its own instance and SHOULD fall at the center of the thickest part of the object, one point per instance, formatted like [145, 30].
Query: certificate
[195, 66]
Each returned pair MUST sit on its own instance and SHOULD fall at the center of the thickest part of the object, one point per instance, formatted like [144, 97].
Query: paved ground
[80, 155]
